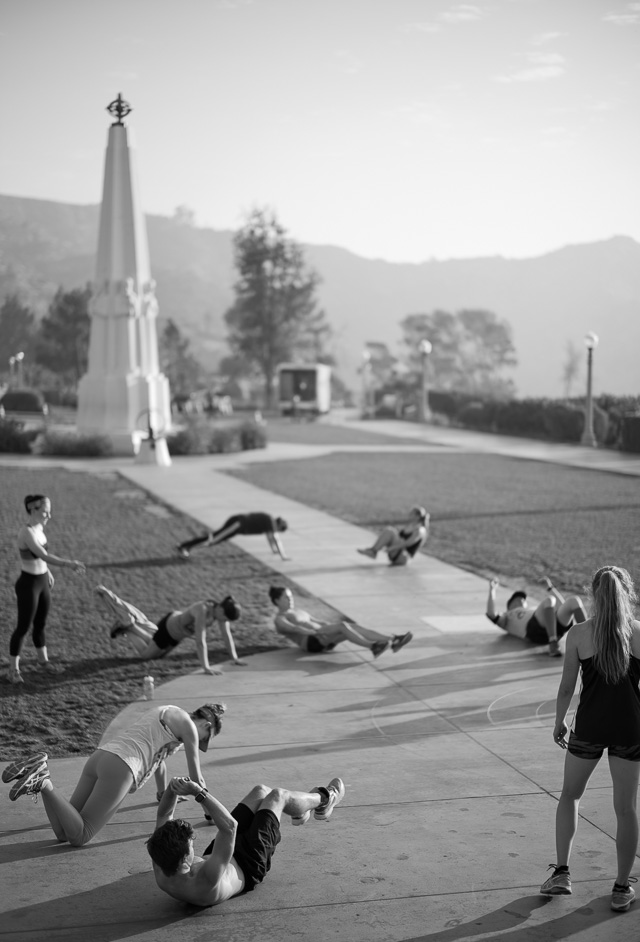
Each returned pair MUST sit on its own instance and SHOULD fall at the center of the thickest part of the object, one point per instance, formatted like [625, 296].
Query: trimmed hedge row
[198, 437]
[560, 420]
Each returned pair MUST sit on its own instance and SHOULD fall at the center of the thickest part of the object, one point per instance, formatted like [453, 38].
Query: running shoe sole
[24, 766]
[336, 791]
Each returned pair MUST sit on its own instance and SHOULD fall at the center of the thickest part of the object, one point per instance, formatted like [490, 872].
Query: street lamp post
[588, 437]
[366, 382]
[425, 348]
[16, 361]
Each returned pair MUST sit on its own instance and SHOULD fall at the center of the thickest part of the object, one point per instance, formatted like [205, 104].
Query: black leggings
[199, 540]
[34, 599]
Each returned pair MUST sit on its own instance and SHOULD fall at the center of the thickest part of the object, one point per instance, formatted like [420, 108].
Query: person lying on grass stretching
[316, 636]
[546, 624]
[120, 765]
[401, 543]
[240, 856]
[152, 641]
[241, 525]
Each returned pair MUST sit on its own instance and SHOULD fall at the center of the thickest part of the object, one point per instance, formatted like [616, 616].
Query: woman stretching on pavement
[154, 641]
[120, 765]
[605, 650]
[316, 636]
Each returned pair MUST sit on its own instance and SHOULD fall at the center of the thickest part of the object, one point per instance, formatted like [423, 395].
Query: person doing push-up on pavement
[240, 856]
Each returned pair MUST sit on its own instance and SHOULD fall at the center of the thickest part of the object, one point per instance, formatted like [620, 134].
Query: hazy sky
[399, 129]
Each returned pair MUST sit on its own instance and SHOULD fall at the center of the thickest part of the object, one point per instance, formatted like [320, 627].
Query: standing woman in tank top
[33, 588]
[605, 649]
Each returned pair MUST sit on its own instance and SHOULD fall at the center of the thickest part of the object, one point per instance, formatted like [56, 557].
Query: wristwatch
[201, 796]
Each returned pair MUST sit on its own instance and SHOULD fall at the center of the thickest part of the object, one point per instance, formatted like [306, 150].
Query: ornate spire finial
[119, 109]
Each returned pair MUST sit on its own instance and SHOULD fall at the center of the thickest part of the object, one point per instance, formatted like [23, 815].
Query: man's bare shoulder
[195, 886]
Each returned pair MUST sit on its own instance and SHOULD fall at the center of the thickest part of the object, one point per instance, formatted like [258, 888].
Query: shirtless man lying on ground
[240, 855]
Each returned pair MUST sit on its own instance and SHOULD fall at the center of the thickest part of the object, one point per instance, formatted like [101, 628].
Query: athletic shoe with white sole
[558, 884]
[335, 791]
[622, 896]
[24, 766]
[30, 784]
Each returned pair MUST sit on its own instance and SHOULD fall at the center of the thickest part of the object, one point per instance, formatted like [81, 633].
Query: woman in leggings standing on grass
[33, 588]
[606, 650]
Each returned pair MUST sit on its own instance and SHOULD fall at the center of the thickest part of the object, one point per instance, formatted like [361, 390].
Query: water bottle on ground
[148, 687]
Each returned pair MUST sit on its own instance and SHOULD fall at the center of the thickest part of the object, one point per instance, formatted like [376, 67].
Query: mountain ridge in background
[548, 300]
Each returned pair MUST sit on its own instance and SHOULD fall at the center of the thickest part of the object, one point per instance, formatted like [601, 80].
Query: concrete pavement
[452, 775]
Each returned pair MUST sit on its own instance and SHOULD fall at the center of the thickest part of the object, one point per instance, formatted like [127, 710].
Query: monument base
[154, 451]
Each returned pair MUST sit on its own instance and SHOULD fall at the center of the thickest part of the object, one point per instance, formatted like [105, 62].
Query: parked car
[25, 405]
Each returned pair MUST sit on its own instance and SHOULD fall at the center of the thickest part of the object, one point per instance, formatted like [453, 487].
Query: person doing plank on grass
[33, 588]
[153, 641]
[120, 765]
[605, 652]
[251, 524]
[548, 623]
[239, 858]
[316, 637]
[401, 543]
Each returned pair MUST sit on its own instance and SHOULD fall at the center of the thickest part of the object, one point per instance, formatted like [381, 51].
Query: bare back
[202, 885]
[582, 637]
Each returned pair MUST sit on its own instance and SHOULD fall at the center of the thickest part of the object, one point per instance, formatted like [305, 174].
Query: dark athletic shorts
[162, 638]
[315, 646]
[594, 750]
[537, 633]
[257, 837]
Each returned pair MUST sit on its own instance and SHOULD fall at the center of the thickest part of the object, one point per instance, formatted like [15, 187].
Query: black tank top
[609, 713]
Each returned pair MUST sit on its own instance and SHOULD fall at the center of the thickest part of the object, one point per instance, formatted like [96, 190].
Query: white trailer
[304, 389]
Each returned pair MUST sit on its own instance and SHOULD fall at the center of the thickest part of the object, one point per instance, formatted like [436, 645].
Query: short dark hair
[230, 607]
[276, 592]
[516, 595]
[169, 845]
[281, 524]
[33, 499]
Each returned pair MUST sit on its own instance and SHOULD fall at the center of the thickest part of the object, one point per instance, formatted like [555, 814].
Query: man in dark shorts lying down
[546, 624]
[240, 856]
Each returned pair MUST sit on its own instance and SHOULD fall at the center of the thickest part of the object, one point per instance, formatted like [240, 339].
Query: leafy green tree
[62, 341]
[275, 317]
[470, 350]
[177, 361]
[17, 329]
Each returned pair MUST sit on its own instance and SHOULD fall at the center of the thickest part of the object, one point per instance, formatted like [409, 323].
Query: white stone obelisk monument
[123, 391]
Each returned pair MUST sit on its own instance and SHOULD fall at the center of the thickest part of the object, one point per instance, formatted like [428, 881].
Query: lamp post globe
[591, 341]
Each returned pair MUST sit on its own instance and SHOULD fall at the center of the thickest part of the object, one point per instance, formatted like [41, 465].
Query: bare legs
[282, 801]
[625, 775]
[577, 773]
[103, 786]
[343, 631]
[387, 538]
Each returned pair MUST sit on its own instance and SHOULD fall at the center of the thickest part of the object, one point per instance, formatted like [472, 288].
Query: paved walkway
[452, 776]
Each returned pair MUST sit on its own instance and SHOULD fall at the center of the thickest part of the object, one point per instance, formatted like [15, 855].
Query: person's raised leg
[299, 805]
[364, 637]
[545, 613]
[571, 608]
[385, 540]
[625, 775]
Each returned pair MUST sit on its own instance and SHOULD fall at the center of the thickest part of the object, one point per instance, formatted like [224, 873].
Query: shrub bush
[72, 445]
[14, 438]
[563, 423]
[200, 437]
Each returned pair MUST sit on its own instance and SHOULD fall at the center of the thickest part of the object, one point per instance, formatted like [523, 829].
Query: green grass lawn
[127, 541]
[493, 515]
